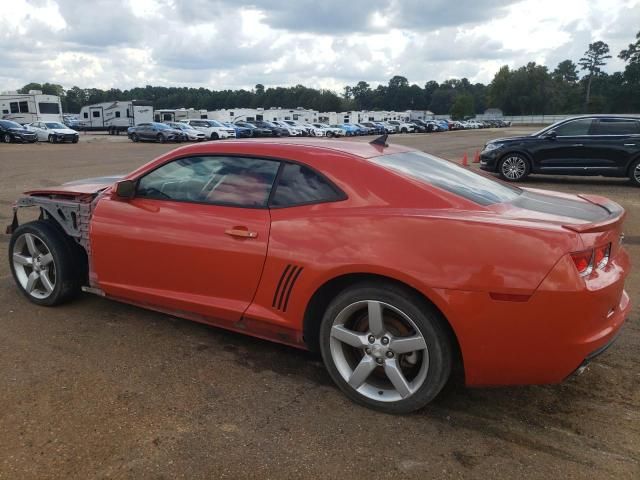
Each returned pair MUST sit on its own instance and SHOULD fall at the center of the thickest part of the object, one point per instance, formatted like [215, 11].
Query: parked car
[427, 125]
[291, 130]
[241, 132]
[401, 127]
[288, 262]
[587, 145]
[53, 132]
[329, 130]
[349, 129]
[155, 132]
[376, 127]
[213, 129]
[276, 130]
[71, 121]
[190, 133]
[390, 127]
[255, 131]
[11, 131]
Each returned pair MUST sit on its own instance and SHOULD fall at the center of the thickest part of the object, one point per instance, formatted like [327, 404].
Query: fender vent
[283, 291]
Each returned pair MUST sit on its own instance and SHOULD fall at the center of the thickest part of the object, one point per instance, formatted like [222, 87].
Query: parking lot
[97, 389]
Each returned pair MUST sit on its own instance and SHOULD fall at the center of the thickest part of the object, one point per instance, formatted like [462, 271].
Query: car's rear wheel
[215, 136]
[6, 138]
[634, 173]
[514, 167]
[160, 138]
[45, 264]
[385, 347]
[134, 137]
[52, 139]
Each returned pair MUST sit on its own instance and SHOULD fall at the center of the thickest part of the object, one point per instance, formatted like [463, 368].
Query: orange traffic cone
[465, 160]
[476, 157]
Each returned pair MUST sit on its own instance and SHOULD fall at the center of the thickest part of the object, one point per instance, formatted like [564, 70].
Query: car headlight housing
[492, 146]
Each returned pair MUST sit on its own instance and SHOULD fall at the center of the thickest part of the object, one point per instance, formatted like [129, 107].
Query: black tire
[514, 167]
[134, 137]
[330, 134]
[52, 139]
[160, 138]
[214, 136]
[404, 130]
[6, 138]
[75, 140]
[429, 322]
[69, 261]
[634, 173]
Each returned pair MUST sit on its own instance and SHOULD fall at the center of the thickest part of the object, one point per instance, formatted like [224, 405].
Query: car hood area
[79, 187]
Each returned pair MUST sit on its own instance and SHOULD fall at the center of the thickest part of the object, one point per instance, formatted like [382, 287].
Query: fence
[537, 119]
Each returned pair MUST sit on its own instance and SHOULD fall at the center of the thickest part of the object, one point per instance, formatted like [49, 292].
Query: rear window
[448, 176]
[610, 126]
[299, 185]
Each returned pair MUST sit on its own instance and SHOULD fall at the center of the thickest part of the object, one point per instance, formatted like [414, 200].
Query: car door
[193, 238]
[614, 143]
[37, 129]
[566, 149]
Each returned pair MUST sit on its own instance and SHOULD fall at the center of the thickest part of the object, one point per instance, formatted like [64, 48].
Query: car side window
[615, 126]
[574, 128]
[299, 185]
[232, 181]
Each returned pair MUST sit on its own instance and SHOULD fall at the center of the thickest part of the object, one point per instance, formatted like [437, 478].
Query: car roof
[261, 147]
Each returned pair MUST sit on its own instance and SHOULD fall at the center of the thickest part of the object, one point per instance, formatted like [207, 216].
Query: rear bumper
[542, 340]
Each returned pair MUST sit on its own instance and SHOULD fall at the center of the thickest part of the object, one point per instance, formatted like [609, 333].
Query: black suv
[588, 145]
[14, 132]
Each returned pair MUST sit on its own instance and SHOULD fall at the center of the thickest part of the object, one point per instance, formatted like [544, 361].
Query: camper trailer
[115, 117]
[175, 115]
[30, 107]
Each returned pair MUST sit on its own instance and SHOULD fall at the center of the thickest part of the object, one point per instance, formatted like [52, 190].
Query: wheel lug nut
[379, 361]
[372, 339]
[385, 340]
[389, 354]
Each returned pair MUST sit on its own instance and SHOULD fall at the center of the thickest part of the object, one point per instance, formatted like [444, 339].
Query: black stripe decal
[293, 282]
[285, 287]
[275, 295]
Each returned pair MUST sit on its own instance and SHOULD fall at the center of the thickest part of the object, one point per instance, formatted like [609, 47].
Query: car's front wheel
[6, 138]
[215, 136]
[514, 167]
[385, 347]
[44, 263]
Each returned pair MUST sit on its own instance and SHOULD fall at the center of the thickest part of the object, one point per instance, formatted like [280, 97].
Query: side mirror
[126, 189]
[550, 135]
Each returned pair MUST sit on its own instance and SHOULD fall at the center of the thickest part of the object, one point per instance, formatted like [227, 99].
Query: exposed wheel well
[517, 152]
[323, 296]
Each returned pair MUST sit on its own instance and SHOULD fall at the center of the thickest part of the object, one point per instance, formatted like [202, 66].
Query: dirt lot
[96, 389]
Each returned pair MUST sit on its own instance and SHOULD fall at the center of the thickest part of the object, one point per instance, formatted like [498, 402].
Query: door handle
[629, 144]
[577, 145]
[241, 232]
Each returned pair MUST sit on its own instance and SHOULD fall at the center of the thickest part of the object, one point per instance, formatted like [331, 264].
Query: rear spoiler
[615, 211]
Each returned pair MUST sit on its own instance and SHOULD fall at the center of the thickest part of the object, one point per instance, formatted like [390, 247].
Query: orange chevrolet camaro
[395, 265]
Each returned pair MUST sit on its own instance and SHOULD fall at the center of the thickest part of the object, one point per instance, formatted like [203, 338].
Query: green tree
[593, 59]
[566, 71]
[632, 54]
[462, 107]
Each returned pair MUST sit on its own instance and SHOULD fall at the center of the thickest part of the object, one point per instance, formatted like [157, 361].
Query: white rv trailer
[267, 115]
[30, 107]
[115, 117]
[177, 114]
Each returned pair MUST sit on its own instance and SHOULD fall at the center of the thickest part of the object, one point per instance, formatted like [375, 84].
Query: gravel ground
[96, 389]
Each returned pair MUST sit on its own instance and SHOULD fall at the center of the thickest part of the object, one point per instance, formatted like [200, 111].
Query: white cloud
[330, 43]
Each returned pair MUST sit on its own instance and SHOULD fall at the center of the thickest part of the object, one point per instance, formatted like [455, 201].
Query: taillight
[587, 260]
[583, 262]
[601, 256]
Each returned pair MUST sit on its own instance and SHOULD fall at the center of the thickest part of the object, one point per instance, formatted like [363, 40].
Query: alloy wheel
[379, 351]
[636, 173]
[34, 266]
[514, 168]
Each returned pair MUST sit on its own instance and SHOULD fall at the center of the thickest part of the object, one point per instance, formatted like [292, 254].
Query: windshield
[548, 127]
[161, 126]
[54, 125]
[215, 123]
[10, 124]
[448, 176]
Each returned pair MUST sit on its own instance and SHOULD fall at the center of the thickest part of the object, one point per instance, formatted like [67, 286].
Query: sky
[221, 44]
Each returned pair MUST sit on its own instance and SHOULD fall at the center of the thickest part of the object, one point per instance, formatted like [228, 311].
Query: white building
[334, 118]
[115, 116]
[268, 115]
[30, 107]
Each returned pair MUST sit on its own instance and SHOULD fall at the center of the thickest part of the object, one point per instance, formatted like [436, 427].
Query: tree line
[528, 90]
